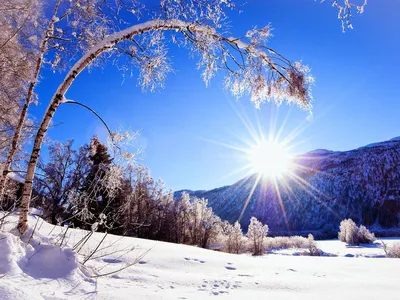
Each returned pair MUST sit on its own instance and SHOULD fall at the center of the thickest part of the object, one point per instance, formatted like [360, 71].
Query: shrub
[312, 246]
[365, 236]
[256, 234]
[285, 242]
[235, 242]
[348, 231]
[351, 234]
[392, 251]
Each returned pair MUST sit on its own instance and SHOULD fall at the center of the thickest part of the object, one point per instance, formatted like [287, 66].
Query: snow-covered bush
[365, 236]
[234, 241]
[256, 234]
[393, 250]
[285, 242]
[348, 231]
[295, 242]
[312, 246]
[353, 235]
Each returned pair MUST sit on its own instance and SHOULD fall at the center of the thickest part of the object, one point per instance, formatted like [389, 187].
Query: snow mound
[35, 257]
[49, 261]
[11, 250]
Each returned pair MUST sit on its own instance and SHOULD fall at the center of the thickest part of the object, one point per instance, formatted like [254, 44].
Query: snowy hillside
[43, 270]
[327, 186]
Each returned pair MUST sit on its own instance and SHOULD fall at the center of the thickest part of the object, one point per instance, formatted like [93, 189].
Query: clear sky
[184, 125]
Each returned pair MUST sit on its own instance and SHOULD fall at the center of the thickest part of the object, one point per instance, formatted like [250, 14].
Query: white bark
[24, 111]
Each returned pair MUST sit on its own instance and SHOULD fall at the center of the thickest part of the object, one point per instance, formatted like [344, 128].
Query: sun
[270, 159]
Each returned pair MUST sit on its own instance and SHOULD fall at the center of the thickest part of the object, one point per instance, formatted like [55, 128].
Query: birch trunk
[24, 111]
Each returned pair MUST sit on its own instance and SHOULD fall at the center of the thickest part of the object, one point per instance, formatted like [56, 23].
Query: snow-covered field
[42, 270]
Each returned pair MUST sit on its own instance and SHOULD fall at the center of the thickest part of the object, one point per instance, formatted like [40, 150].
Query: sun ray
[308, 188]
[290, 191]
[283, 209]
[230, 146]
[268, 151]
[249, 197]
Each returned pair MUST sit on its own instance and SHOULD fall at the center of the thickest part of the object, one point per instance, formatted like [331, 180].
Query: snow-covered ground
[42, 270]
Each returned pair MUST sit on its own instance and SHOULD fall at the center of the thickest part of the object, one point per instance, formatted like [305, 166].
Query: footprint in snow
[195, 259]
[112, 260]
[245, 275]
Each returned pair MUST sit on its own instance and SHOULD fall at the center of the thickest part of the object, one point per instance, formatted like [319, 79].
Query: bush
[296, 242]
[351, 234]
[312, 246]
[235, 242]
[365, 236]
[256, 234]
[285, 242]
[392, 251]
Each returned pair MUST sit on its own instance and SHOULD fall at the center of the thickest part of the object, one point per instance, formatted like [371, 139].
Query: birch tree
[252, 67]
[16, 58]
[73, 27]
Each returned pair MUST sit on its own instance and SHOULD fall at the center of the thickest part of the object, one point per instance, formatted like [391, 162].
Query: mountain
[324, 188]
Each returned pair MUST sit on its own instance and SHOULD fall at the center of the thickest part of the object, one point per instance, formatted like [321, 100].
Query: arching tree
[252, 67]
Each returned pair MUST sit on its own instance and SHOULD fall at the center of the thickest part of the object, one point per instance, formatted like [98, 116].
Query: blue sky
[183, 125]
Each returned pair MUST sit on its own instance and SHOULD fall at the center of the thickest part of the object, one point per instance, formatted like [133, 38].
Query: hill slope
[326, 187]
[42, 270]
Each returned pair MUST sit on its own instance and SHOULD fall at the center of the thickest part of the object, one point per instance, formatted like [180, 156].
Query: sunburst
[267, 154]
[269, 158]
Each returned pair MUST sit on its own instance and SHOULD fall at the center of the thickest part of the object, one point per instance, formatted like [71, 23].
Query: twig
[94, 251]
[123, 268]
[33, 231]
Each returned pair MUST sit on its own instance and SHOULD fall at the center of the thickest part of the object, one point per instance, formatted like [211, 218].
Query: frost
[95, 226]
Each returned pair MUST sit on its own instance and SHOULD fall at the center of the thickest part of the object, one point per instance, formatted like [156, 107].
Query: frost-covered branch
[345, 10]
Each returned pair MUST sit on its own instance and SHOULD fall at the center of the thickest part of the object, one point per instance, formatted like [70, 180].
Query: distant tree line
[85, 188]
[88, 188]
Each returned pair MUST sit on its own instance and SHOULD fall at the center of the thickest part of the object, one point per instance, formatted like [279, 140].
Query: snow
[318, 152]
[15, 177]
[44, 270]
[388, 142]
